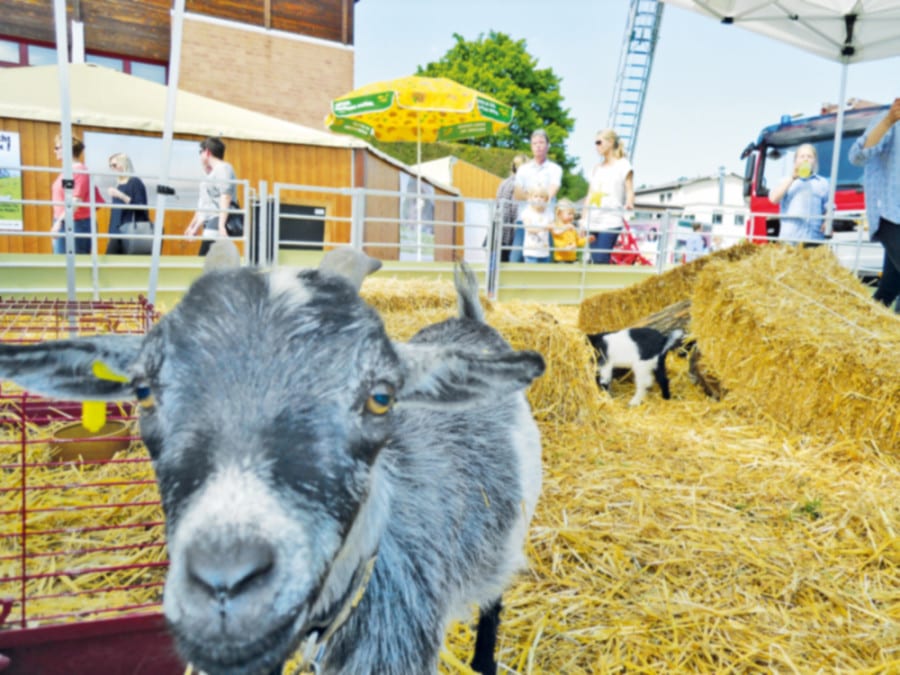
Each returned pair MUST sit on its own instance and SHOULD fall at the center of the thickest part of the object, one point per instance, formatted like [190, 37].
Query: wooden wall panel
[276, 163]
[382, 224]
[141, 29]
[33, 20]
[382, 221]
[474, 182]
[447, 211]
[252, 160]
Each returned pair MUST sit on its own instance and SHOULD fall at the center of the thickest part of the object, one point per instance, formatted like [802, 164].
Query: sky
[712, 88]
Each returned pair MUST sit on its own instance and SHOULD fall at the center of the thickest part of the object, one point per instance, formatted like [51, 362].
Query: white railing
[291, 224]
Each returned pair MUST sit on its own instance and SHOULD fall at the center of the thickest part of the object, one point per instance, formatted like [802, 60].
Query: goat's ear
[349, 263]
[93, 368]
[444, 376]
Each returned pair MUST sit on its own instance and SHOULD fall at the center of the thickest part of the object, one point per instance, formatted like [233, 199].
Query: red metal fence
[82, 544]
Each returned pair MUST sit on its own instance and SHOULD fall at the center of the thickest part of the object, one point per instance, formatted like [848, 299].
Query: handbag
[234, 226]
[142, 246]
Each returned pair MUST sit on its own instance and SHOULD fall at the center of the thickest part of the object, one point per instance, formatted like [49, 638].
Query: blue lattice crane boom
[633, 75]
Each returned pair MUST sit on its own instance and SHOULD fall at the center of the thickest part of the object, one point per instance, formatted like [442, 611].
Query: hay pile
[566, 393]
[797, 340]
[688, 536]
[387, 294]
[688, 540]
[692, 535]
[624, 307]
[96, 537]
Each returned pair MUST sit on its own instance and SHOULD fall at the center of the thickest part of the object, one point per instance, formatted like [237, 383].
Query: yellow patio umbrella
[417, 109]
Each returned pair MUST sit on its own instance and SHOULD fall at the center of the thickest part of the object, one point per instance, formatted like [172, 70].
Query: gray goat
[324, 487]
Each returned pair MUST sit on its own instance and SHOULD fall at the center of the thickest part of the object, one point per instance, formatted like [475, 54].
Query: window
[738, 219]
[106, 61]
[9, 52]
[19, 53]
[40, 56]
[716, 218]
[154, 72]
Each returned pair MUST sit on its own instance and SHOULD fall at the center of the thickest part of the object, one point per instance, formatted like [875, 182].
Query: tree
[502, 67]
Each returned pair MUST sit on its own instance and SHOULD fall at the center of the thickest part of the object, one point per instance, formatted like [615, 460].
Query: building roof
[682, 182]
[103, 97]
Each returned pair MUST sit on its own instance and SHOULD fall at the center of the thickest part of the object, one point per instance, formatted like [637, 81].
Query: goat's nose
[226, 571]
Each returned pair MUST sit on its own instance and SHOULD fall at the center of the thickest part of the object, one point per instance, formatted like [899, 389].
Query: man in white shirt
[538, 173]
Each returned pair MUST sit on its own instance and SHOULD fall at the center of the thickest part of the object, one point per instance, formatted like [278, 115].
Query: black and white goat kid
[642, 350]
[323, 486]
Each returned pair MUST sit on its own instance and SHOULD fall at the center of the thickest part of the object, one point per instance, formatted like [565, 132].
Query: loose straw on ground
[693, 535]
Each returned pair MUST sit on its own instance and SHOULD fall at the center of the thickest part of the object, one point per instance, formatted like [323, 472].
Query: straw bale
[797, 340]
[566, 392]
[389, 294]
[622, 308]
[686, 539]
[686, 535]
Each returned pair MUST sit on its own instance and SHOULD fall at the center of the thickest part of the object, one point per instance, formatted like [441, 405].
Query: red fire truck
[771, 157]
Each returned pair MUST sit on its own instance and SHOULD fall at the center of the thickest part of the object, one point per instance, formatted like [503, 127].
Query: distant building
[280, 58]
[716, 201]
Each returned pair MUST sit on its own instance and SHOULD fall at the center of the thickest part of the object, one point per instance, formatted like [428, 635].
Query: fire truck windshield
[779, 162]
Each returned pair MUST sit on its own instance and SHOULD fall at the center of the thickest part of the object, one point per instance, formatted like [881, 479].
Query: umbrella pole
[418, 189]
[836, 152]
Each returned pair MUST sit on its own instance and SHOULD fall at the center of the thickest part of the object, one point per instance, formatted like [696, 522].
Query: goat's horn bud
[223, 254]
[349, 263]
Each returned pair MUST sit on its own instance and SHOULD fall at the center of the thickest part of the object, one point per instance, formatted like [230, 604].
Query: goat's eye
[380, 399]
[144, 395]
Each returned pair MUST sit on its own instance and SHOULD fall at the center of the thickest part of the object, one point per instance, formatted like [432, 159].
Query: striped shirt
[882, 175]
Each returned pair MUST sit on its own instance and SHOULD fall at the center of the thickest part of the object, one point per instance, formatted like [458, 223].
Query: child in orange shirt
[566, 239]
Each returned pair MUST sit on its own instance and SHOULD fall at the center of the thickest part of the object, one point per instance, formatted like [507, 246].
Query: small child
[566, 239]
[537, 221]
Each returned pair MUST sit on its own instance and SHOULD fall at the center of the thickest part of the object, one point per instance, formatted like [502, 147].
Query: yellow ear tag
[104, 372]
[93, 415]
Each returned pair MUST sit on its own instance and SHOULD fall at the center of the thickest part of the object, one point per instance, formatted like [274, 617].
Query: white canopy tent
[847, 31]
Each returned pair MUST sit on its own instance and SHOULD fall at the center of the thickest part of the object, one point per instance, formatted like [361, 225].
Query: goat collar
[326, 624]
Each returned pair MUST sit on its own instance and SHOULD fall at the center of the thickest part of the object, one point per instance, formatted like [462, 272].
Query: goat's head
[266, 398]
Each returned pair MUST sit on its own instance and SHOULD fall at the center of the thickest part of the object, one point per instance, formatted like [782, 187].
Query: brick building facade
[282, 58]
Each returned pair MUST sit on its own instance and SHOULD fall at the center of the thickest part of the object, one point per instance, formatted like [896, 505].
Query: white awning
[104, 97]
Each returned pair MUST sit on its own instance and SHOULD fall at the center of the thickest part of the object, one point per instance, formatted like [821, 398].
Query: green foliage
[574, 186]
[493, 160]
[502, 67]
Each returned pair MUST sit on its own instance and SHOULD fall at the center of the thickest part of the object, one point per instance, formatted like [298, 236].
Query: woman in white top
[610, 193]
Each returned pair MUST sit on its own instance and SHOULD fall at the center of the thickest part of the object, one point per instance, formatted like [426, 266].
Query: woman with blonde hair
[129, 191]
[803, 196]
[610, 193]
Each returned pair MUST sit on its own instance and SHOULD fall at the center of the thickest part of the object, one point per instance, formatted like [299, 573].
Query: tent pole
[65, 119]
[836, 153]
[162, 188]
